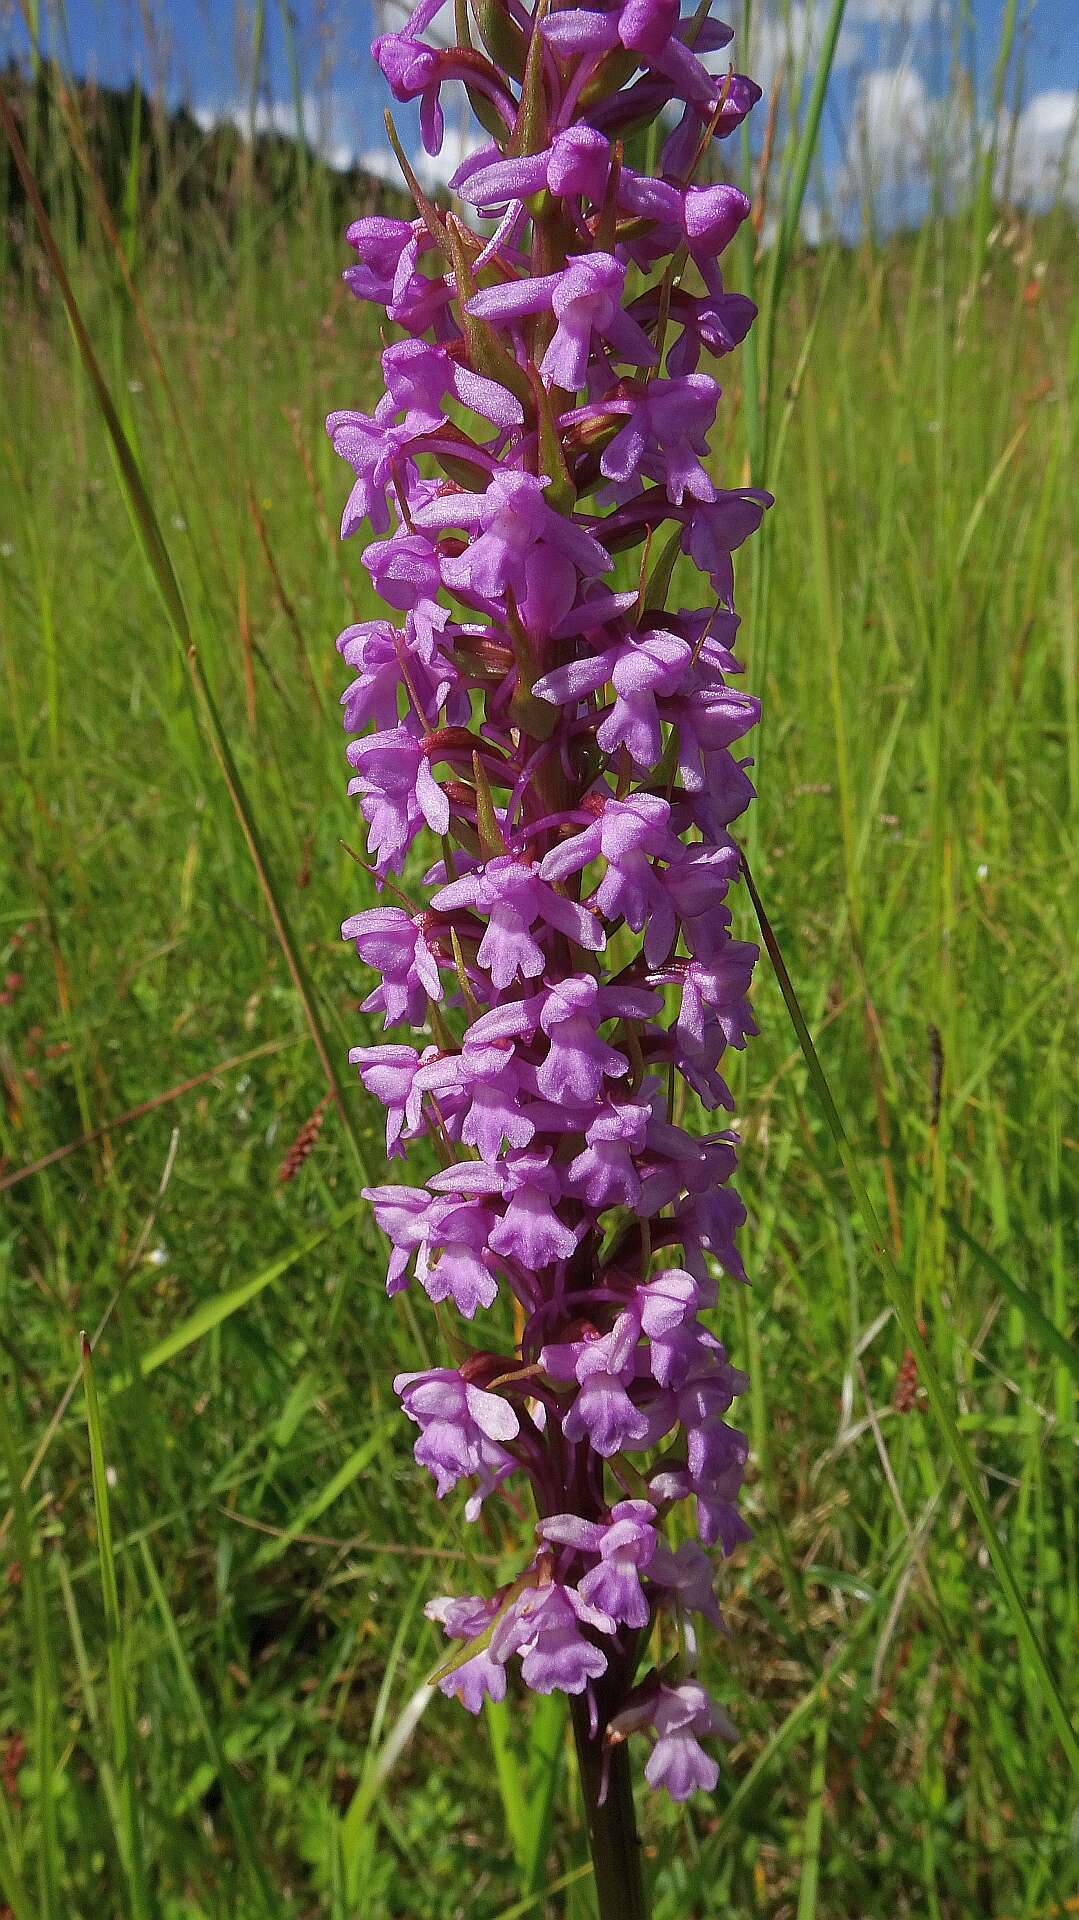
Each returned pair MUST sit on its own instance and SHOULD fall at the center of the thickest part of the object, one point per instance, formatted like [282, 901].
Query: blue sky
[894, 95]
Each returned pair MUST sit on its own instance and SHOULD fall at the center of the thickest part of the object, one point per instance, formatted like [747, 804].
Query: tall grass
[228, 1714]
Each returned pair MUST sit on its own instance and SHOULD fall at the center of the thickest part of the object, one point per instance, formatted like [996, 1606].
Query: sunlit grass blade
[360, 1823]
[797, 180]
[1042, 1330]
[546, 1754]
[43, 1673]
[902, 1305]
[348, 1472]
[145, 523]
[222, 1306]
[129, 1836]
[512, 1789]
[814, 1821]
[241, 1814]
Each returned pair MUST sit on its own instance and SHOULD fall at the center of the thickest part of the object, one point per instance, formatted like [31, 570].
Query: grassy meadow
[216, 1546]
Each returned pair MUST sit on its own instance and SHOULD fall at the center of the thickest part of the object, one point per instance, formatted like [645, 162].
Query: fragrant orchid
[563, 743]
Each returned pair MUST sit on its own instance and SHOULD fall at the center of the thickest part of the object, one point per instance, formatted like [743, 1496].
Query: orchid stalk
[574, 746]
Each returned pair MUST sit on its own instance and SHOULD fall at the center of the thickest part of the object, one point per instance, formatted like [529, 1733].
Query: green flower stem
[612, 1825]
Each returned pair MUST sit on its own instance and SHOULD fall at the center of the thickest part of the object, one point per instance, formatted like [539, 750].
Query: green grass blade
[1042, 1330]
[512, 1790]
[129, 230]
[148, 532]
[213, 1313]
[241, 1814]
[546, 1753]
[814, 1823]
[129, 1836]
[810, 134]
[359, 1825]
[794, 197]
[902, 1304]
[44, 1676]
[349, 1471]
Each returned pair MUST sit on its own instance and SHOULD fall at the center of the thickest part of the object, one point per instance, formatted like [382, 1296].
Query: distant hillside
[149, 159]
[159, 168]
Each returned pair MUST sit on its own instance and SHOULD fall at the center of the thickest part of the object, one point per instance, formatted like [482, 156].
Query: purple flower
[711, 218]
[415, 70]
[682, 1717]
[716, 324]
[725, 109]
[722, 989]
[398, 792]
[514, 897]
[387, 271]
[404, 1215]
[603, 1366]
[578, 161]
[642, 26]
[376, 450]
[390, 1074]
[688, 1573]
[462, 1429]
[458, 1268]
[578, 1061]
[543, 1626]
[522, 547]
[630, 835]
[625, 1546]
[560, 745]
[585, 300]
[389, 663]
[406, 573]
[665, 436]
[713, 532]
[643, 669]
[481, 1677]
[530, 1231]
[486, 1083]
[395, 945]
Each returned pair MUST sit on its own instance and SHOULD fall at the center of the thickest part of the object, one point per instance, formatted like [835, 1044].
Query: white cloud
[392, 16]
[890, 13]
[381, 164]
[320, 115]
[433, 171]
[793, 39]
[901, 141]
[462, 136]
[892, 112]
[1038, 157]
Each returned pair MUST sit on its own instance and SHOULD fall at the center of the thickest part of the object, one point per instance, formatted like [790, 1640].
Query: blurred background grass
[236, 1724]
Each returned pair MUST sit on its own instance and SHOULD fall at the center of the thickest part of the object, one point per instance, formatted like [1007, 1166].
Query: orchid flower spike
[562, 744]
